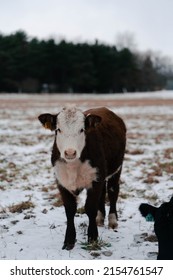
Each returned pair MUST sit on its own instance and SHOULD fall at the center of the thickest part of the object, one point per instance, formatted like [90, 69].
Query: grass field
[31, 213]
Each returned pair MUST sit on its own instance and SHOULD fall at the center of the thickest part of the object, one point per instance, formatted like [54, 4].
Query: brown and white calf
[87, 153]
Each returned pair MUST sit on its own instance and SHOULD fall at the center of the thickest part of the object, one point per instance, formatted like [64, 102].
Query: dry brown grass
[135, 152]
[20, 207]
[151, 238]
[57, 197]
[151, 179]
[167, 167]
[168, 153]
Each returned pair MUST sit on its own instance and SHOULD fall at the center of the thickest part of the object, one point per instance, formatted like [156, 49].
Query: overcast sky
[149, 21]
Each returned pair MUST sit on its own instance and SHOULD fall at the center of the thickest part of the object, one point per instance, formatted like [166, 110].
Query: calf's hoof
[100, 219]
[112, 221]
[68, 246]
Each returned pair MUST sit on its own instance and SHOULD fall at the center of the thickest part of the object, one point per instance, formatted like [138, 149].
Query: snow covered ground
[32, 219]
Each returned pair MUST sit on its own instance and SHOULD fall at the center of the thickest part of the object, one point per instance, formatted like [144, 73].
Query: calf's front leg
[70, 205]
[91, 208]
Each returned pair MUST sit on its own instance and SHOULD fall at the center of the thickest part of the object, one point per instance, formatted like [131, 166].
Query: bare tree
[126, 40]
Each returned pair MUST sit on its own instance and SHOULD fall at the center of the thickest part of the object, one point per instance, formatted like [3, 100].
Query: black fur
[163, 227]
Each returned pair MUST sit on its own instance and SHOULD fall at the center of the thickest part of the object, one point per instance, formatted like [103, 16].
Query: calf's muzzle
[70, 154]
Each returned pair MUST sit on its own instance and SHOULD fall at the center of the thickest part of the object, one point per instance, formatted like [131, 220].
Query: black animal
[163, 227]
[87, 153]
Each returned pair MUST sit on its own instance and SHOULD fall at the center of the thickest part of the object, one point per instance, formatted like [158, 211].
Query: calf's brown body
[105, 140]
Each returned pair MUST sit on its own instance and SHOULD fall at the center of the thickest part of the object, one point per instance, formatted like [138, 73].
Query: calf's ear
[92, 120]
[48, 121]
[148, 211]
[171, 201]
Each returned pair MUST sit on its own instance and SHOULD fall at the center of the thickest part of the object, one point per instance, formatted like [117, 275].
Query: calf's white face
[70, 137]
[69, 125]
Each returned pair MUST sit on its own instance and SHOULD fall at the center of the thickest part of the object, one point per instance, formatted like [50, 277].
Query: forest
[33, 65]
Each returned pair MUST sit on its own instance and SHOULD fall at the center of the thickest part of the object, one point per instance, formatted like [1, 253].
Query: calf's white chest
[75, 175]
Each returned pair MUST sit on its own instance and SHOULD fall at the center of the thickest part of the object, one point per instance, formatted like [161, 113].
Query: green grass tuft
[95, 245]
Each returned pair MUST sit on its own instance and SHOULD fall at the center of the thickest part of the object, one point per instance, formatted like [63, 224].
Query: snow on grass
[32, 218]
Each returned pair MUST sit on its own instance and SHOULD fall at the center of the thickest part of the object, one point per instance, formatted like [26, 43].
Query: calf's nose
[70, 154]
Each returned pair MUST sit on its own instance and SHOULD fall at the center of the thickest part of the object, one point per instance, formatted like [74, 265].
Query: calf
[87, 153]
[163, 226]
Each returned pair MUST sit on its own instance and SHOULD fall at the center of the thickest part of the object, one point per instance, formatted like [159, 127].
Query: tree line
[33, 65]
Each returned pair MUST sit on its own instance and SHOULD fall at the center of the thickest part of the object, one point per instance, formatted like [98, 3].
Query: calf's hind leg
[113, 191]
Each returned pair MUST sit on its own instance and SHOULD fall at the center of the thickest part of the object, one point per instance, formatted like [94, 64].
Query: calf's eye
[82, 130]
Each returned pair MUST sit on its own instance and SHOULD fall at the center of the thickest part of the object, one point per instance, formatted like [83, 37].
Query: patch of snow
[26, 175]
